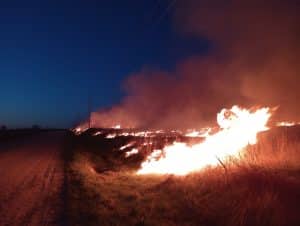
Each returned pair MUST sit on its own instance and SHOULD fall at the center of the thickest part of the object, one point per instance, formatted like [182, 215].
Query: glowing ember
[132, 152]
[192, 134]
[147, 143]
[97, 133]
[195, 133]
[127, 146]
[117, 127]
[111, 136]
[79, 130]
[238, 128]
[125, 134]
[142, 133]
[287, 123]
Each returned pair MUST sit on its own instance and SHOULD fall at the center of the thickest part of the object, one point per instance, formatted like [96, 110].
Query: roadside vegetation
[261, 188]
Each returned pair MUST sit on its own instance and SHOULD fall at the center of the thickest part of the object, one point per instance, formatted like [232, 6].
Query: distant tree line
[34, 127]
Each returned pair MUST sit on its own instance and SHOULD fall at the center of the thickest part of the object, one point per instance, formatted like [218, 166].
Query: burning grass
[261, 188]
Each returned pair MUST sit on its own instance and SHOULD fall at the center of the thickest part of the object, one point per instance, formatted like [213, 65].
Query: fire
[79, 130]
[127, 146]
[238, 128]
[198, 133]
[111, 136]
[132, 152]
[287, 123]
[97, 133]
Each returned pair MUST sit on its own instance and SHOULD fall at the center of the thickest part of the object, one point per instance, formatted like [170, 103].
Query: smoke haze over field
[255, 61]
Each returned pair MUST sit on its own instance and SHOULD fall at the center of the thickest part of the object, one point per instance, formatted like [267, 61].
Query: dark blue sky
[54, 54]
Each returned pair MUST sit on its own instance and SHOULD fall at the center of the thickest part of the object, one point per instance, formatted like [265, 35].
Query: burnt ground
[260, 188]
[32, 180]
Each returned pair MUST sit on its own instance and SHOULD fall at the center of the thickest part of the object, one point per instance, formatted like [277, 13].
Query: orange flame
[238, 128]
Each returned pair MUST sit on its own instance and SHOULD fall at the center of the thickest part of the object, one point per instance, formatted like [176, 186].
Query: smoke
[255, 61]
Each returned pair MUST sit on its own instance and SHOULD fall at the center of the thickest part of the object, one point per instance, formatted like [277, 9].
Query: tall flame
[238, 128]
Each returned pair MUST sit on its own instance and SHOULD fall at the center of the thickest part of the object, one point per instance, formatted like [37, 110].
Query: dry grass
[262, 188]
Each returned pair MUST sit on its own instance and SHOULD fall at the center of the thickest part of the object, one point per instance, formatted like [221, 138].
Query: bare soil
[31, 181]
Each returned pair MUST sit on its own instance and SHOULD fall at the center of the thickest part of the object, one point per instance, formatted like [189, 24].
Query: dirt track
[31, 181]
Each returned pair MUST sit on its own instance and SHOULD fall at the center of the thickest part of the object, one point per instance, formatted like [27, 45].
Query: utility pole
[89, 108]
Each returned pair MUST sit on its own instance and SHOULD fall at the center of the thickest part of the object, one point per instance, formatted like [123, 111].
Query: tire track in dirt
[35, 179]
[28, 179]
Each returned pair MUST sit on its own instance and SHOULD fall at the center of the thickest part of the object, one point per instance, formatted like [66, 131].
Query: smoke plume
[254, 62]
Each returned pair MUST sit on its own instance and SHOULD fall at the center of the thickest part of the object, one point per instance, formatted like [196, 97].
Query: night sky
[55, 54]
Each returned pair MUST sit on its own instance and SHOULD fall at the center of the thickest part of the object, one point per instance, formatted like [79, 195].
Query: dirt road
[31, 181]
